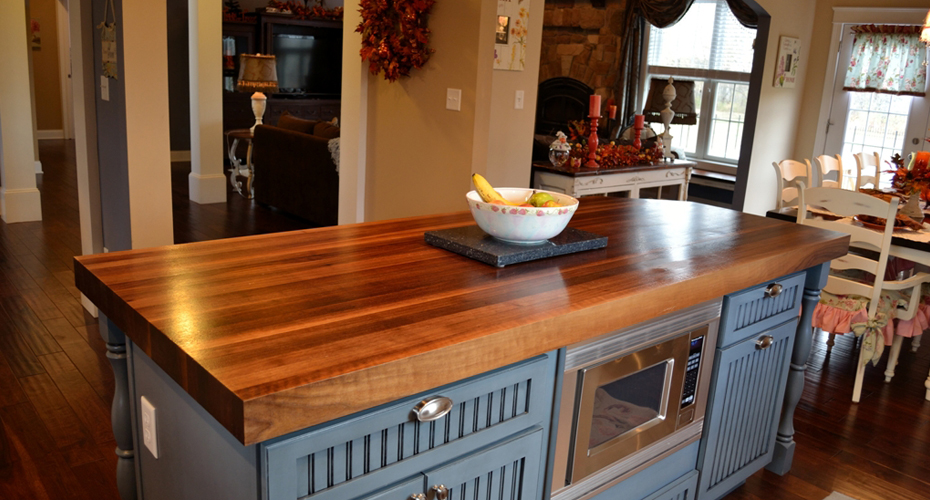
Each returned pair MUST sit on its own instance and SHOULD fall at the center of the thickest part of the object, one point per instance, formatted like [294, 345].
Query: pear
[539, 199]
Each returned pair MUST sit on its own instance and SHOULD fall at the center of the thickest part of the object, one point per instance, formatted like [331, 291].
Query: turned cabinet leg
[120, 416]
[784, 441]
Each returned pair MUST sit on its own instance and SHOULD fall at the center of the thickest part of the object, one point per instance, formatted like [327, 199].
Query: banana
[488, 193]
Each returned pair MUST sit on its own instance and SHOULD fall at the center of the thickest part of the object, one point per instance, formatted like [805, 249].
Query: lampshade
[257, 73]
[683, 105]
[925, 32]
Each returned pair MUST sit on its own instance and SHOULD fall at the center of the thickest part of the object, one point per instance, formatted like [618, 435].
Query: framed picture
[503, 30]
[786, 68]
[510, 34]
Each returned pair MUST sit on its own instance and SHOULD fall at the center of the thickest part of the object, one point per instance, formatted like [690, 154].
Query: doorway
[867, 122]
[852, 122]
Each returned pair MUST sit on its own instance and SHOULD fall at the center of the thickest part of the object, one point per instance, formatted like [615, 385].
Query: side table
[236, 166]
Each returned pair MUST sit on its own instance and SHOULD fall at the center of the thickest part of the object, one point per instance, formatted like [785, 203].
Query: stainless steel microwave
[632, 397]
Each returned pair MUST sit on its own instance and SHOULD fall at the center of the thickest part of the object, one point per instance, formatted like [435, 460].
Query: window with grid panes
[710, 47]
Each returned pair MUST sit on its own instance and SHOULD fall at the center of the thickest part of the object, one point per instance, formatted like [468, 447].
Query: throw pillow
[288, 122]
[326, 130]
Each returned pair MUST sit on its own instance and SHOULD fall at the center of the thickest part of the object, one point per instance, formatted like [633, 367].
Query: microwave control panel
[691, 371]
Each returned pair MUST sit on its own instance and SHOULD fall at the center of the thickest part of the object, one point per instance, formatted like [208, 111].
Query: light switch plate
[149, 437]
[454, 99]
[518, 100]
[104, 88]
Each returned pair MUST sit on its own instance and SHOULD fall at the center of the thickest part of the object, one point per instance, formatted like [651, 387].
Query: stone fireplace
[582, 40]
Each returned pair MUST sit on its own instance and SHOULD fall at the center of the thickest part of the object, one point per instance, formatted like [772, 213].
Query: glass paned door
[869, 122]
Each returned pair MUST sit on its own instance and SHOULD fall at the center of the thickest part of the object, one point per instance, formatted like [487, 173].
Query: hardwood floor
[56, 384]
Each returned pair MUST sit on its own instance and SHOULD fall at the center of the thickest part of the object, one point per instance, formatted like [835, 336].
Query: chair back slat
[869, 170]
[831, 171]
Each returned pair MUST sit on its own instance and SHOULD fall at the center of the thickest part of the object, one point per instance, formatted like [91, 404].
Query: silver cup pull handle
[439, 492]
[417, 496]
[773, 290]
[432, 408]
[764, 342]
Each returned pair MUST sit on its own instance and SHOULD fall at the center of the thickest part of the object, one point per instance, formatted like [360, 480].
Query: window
[712, 48]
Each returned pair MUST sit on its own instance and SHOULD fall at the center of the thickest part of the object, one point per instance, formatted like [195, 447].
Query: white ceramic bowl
[521, 225]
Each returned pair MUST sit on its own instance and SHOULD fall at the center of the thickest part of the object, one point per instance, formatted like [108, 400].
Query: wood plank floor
[56, 385]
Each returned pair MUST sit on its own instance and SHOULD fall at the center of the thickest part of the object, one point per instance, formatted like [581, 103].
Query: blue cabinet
[748, 385]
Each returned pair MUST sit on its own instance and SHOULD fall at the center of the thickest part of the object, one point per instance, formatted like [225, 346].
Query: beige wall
[779, 108]
[45, 65]
[419, 153]
[510, 131]
[819, 56]
[421, 156]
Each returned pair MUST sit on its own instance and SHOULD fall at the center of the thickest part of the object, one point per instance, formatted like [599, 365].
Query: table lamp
[670, 102]
[258, 74]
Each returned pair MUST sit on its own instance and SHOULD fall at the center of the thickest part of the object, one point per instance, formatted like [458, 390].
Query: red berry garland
[395, 38]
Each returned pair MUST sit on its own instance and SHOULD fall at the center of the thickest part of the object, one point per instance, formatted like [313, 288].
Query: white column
[20, 201]
[148, 145]
[207, 180]
[353, 137]
[85, 132]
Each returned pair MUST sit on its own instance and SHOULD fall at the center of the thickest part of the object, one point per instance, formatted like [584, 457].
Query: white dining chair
[829, 170]
[861, 276]
[788, 175]
[869, 170]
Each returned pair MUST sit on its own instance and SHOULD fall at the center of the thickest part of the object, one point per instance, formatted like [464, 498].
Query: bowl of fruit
[519, 215]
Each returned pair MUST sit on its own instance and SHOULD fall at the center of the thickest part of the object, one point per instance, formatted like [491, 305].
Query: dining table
[910, 244]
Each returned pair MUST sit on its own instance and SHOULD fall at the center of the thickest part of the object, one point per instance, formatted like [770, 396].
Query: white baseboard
[180, 156]
[208, 188]
[20, 205]
[39, 167]
[50, 134]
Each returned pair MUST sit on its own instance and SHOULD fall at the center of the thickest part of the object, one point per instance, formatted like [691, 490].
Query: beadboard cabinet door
[743, 410]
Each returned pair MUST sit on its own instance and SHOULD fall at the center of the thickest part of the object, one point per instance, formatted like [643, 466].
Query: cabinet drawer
[388, 442]
[755, 310]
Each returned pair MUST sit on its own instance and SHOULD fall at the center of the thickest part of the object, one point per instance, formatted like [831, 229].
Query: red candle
[612, 111]
[639, 121]
[594, 108]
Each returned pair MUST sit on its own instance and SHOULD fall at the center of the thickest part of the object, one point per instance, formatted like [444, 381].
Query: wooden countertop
[278, 332]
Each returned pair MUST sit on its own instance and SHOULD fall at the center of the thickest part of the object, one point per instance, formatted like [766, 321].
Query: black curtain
[662, 14]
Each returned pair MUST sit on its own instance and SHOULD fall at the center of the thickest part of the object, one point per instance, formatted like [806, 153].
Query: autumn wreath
[395, 38]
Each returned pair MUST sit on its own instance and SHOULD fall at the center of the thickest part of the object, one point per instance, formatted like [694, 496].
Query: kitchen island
[269, 335]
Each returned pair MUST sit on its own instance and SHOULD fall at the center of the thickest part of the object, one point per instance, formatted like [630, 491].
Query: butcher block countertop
[278, 332]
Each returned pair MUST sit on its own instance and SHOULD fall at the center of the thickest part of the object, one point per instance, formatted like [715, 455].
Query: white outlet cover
[149, 435]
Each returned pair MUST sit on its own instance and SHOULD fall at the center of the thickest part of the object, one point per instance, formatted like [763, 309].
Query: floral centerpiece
[910, 179]
[609, 155]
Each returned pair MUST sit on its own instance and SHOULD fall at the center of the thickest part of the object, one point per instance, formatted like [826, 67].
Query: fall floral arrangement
[609, 155]
[303, 10]
[395, 38]
[908, 181]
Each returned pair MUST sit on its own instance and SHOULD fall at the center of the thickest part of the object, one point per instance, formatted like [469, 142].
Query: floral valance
[888, 59]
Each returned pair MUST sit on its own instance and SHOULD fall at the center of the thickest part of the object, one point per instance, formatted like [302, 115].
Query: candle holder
[637, 136]
[592, 143]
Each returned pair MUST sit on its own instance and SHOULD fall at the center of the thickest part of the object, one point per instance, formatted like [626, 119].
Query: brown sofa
[294, 170]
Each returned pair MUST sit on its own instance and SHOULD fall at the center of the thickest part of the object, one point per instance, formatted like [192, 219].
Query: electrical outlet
[518, 100]
[454, 99]
[149, 437]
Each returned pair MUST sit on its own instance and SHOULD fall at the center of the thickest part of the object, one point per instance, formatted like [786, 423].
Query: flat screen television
[309, 65]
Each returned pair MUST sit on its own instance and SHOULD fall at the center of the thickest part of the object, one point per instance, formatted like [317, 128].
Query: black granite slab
[474, 243]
